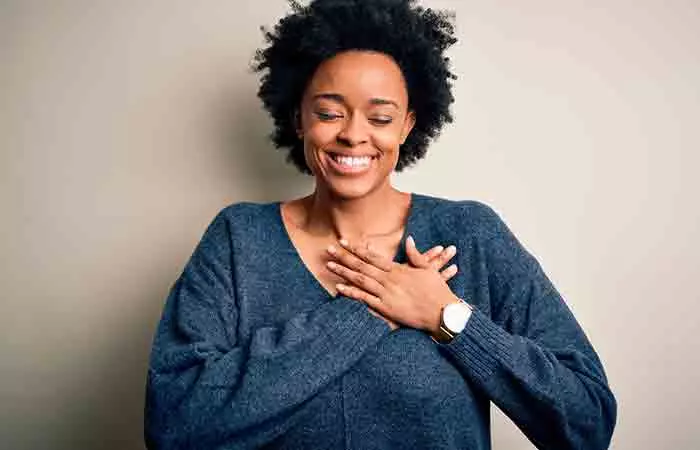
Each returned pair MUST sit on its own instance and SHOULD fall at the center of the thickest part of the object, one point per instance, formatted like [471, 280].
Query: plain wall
[126, 126]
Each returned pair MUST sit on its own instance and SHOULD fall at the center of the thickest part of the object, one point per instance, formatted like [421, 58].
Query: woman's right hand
[436, 257]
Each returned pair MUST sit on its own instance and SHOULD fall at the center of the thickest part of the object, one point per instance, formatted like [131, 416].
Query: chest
[313, 254]
[280, 273]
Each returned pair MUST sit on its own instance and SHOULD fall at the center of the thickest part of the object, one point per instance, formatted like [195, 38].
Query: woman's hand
[412, 295]
[436, 257]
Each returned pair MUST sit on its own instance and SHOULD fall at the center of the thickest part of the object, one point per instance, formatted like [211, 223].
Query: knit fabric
[251, 351]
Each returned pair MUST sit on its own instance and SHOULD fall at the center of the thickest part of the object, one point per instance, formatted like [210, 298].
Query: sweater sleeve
[529, 354]
[206, 389]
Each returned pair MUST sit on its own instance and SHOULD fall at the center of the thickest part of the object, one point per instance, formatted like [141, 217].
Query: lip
[332, 152]
[347, 170]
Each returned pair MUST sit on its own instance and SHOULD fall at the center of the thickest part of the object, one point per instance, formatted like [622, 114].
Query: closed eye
[327, 116]
[381, 120]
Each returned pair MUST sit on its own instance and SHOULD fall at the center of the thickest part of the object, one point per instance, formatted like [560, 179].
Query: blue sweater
[252, 352]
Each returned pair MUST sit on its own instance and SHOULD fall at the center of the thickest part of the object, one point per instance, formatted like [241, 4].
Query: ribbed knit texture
[252, 352]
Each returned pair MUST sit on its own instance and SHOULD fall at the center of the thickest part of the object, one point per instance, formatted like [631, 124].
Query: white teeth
[353, 161]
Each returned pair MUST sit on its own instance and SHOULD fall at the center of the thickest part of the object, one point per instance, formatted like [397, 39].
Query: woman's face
[354, 117]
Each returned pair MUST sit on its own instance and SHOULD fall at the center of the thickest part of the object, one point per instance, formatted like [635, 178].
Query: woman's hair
[413, 36]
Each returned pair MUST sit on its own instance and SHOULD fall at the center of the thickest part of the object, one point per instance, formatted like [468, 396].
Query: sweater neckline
[399, 257]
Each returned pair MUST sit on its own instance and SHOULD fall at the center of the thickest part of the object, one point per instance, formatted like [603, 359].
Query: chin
[351, 189]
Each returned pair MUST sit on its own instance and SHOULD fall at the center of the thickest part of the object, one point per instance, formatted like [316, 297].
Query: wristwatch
[453, 320]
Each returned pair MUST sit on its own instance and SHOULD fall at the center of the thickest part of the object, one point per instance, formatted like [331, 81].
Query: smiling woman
[337, 320]
[354, 118]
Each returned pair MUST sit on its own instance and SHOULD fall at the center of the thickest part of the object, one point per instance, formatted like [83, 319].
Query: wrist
[453, 319]
[436, 322]
[433, 325]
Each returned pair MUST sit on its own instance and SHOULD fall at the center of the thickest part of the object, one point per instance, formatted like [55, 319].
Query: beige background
[126, 126]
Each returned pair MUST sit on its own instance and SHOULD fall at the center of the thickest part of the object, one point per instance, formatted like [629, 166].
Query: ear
[408, 124]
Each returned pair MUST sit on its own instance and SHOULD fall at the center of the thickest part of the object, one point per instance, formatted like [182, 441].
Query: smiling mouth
[350, 164]
[352, 161]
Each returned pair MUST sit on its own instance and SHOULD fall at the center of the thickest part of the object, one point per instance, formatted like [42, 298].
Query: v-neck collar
[399, 257]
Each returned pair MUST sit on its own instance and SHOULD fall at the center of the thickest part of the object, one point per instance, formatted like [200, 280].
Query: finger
[357, 279]
[365, 297]
[443, 258]
[433, 252]
[349, 260]
[414, 256]
[366, 253]
[450, 272]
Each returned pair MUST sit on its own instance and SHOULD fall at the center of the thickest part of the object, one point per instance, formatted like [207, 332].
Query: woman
[319, 323]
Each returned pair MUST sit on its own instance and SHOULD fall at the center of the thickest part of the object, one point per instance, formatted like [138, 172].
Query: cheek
[317, 137]
[320, 135]
[388, 141]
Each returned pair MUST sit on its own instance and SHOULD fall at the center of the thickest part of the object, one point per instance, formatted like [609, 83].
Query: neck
[377, 214]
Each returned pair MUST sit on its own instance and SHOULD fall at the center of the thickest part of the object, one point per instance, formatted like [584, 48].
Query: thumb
[414, 256]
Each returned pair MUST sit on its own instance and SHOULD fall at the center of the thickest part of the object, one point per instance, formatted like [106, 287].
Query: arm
[531, 357]
[205, 389]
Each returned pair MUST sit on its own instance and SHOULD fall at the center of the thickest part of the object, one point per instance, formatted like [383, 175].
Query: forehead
[359, 76]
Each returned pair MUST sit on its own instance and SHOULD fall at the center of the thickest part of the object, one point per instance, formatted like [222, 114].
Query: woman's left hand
[411, 296]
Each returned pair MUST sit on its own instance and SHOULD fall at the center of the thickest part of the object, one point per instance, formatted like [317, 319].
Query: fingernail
[332, 250]
[439, 249]
[410, 241]
[340, 287]
[331, 265]
[343, 242]
[452, 249]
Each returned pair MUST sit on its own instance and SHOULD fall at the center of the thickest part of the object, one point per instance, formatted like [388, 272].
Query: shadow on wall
[264, 174]
[107, 413]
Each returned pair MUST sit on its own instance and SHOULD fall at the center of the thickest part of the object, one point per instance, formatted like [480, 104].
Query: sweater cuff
[481, 346]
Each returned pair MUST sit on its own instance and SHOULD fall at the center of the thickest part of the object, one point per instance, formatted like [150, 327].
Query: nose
[353, 132]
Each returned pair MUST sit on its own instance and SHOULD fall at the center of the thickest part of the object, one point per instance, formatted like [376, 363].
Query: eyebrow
[340, 99]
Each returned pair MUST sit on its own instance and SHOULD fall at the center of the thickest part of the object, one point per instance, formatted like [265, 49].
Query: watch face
[455, 316]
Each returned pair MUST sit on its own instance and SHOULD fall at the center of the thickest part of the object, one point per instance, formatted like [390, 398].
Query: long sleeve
[528, 354]
[207, 388]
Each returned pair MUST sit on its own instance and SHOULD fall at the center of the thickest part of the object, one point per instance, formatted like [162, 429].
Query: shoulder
[237, 227]
[247, 213]
[240, 221]
[480, 229]
[471, 216]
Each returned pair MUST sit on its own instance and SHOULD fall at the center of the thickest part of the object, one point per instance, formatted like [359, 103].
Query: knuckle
[354, 264]
[373, 256]
[358, 266]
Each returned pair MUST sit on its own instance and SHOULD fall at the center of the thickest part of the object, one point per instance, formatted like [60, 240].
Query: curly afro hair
[413, 36]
